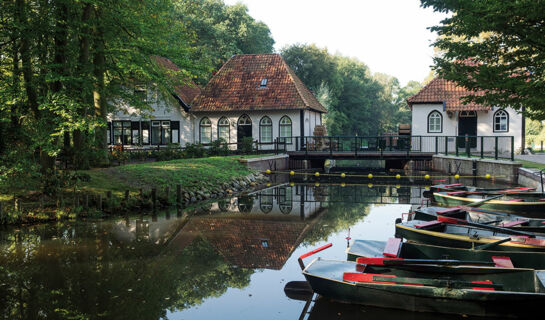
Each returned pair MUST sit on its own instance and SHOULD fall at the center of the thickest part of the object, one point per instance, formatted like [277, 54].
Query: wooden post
[167, 195]
[126, 197]
[179, 194]
[1, 208]
[76, 200]
[41, 202]
[109, 200]
[154, 198]
[86, 203]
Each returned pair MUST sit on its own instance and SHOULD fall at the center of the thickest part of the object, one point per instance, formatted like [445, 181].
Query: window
[165, 132]
[265, 129]
[175, 130]
[156, 132]
[145, 132]
[244, 120]
[266, 201]
[135, 132]
[223, 129]
[435, 122]
[141, 93]
[122, 132]
[263, 83]
[501, 121]
[285, 129]
[285, 200]
[205, 131]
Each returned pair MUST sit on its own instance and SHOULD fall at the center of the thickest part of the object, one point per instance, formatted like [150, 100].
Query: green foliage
[495, 46]
[358, 102]
[194, 150]
[221, 31]
[246, 146]
[218, 147]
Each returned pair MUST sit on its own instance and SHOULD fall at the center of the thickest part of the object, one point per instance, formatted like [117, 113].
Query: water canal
[226, 260]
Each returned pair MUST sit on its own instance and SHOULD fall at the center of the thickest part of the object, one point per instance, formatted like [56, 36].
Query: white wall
[162, 109]
[485, 119]
[255, 116]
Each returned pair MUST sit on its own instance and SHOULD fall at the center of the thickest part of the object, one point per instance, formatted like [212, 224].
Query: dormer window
[141, 93]
[263, 83]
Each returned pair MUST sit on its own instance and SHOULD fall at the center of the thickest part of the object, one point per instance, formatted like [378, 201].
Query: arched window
[501, 121]
[205, 130]
[223, 129]
[435, 122]
[285, 129]
[266, 201]
[265, 129]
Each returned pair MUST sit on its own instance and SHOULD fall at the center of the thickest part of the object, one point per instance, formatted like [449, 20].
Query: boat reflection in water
[325, 309]
[147, 267]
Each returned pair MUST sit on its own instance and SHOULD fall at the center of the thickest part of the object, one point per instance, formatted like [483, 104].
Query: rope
[371, 176]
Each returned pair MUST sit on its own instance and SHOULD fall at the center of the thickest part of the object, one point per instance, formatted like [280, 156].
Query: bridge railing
[497, 147]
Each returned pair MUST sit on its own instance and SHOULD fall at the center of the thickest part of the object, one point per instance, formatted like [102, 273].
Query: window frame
[440, 121]
[201, 126]
[228, 126]
[289, 139]
[496, 115]
[262, 126]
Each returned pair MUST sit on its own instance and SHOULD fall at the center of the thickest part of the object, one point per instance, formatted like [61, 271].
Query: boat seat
[516, 200]
[503, 262]
[513, 223]
[483, 282]
[392, 247]
[453, 185]
[427, 224]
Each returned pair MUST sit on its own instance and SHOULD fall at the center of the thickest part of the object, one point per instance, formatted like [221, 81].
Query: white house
[437, 110]
[257, 96]
[168, 121]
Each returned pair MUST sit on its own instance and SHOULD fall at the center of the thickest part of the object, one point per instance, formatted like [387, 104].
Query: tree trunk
[80, 138]
[99, 103]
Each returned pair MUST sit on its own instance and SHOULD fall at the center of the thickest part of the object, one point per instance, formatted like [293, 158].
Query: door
[467, 125]
[244, 129]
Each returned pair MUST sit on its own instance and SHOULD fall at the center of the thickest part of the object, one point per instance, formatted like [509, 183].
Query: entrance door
[467, 125]
[244, 129]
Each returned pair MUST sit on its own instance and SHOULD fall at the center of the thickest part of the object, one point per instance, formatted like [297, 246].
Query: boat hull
[410, 250]
[428, 299]
[533, 209]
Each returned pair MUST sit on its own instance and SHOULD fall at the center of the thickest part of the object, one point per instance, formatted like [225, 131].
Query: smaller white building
[167, 122]
[438, 111]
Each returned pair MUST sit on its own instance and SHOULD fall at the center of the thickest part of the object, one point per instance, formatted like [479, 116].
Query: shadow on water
[183, 266]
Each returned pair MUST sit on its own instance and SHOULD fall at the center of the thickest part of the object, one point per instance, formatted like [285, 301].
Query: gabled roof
[184, 93]
[237, 87]
[446, 92]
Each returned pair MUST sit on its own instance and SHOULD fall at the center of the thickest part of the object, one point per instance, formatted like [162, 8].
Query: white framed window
[435, 122]
[285, 129]
[205, 131]
[156, 132]
[224, 129]
[501, 121]
[265, 129]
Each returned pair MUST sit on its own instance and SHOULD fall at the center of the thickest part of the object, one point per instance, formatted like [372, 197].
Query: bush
[196, 150]
[218, 148]
[246, 146]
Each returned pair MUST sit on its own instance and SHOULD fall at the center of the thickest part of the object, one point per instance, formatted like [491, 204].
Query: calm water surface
[227, 260]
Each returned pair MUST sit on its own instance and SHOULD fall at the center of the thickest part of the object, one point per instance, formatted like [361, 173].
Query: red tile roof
[440, 90]
[186, 91]
[236, 87]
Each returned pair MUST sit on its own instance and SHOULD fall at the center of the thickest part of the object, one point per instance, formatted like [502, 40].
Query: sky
[389, 36]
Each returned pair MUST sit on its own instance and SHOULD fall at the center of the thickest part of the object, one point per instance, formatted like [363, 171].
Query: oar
[484, 226]
[401, 262]
[492, 244]
[478, 203]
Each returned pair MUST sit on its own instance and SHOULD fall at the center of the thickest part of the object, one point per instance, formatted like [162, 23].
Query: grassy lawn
[531, 164]
[205, 173]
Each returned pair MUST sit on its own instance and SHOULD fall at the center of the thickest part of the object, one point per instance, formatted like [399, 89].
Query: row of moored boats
[483, 257]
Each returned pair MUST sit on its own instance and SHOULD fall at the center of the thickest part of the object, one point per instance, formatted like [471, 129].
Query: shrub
[218, 148]
[246, 146]
[196, 150]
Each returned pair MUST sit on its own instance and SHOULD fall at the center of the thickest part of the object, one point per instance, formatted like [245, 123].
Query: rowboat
[458, 289]
[394, 247]
[530, 205]
[461, 187]
[450, 232]
[483, 216]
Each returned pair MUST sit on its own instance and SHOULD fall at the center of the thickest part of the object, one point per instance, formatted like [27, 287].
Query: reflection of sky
[267, 300]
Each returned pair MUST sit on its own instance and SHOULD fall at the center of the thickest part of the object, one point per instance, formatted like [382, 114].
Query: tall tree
[496, 48]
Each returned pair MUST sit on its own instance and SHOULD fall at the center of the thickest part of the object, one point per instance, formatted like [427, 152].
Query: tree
[495, 49]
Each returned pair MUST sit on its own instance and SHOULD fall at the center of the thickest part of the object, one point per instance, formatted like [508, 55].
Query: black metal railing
[497, 147]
